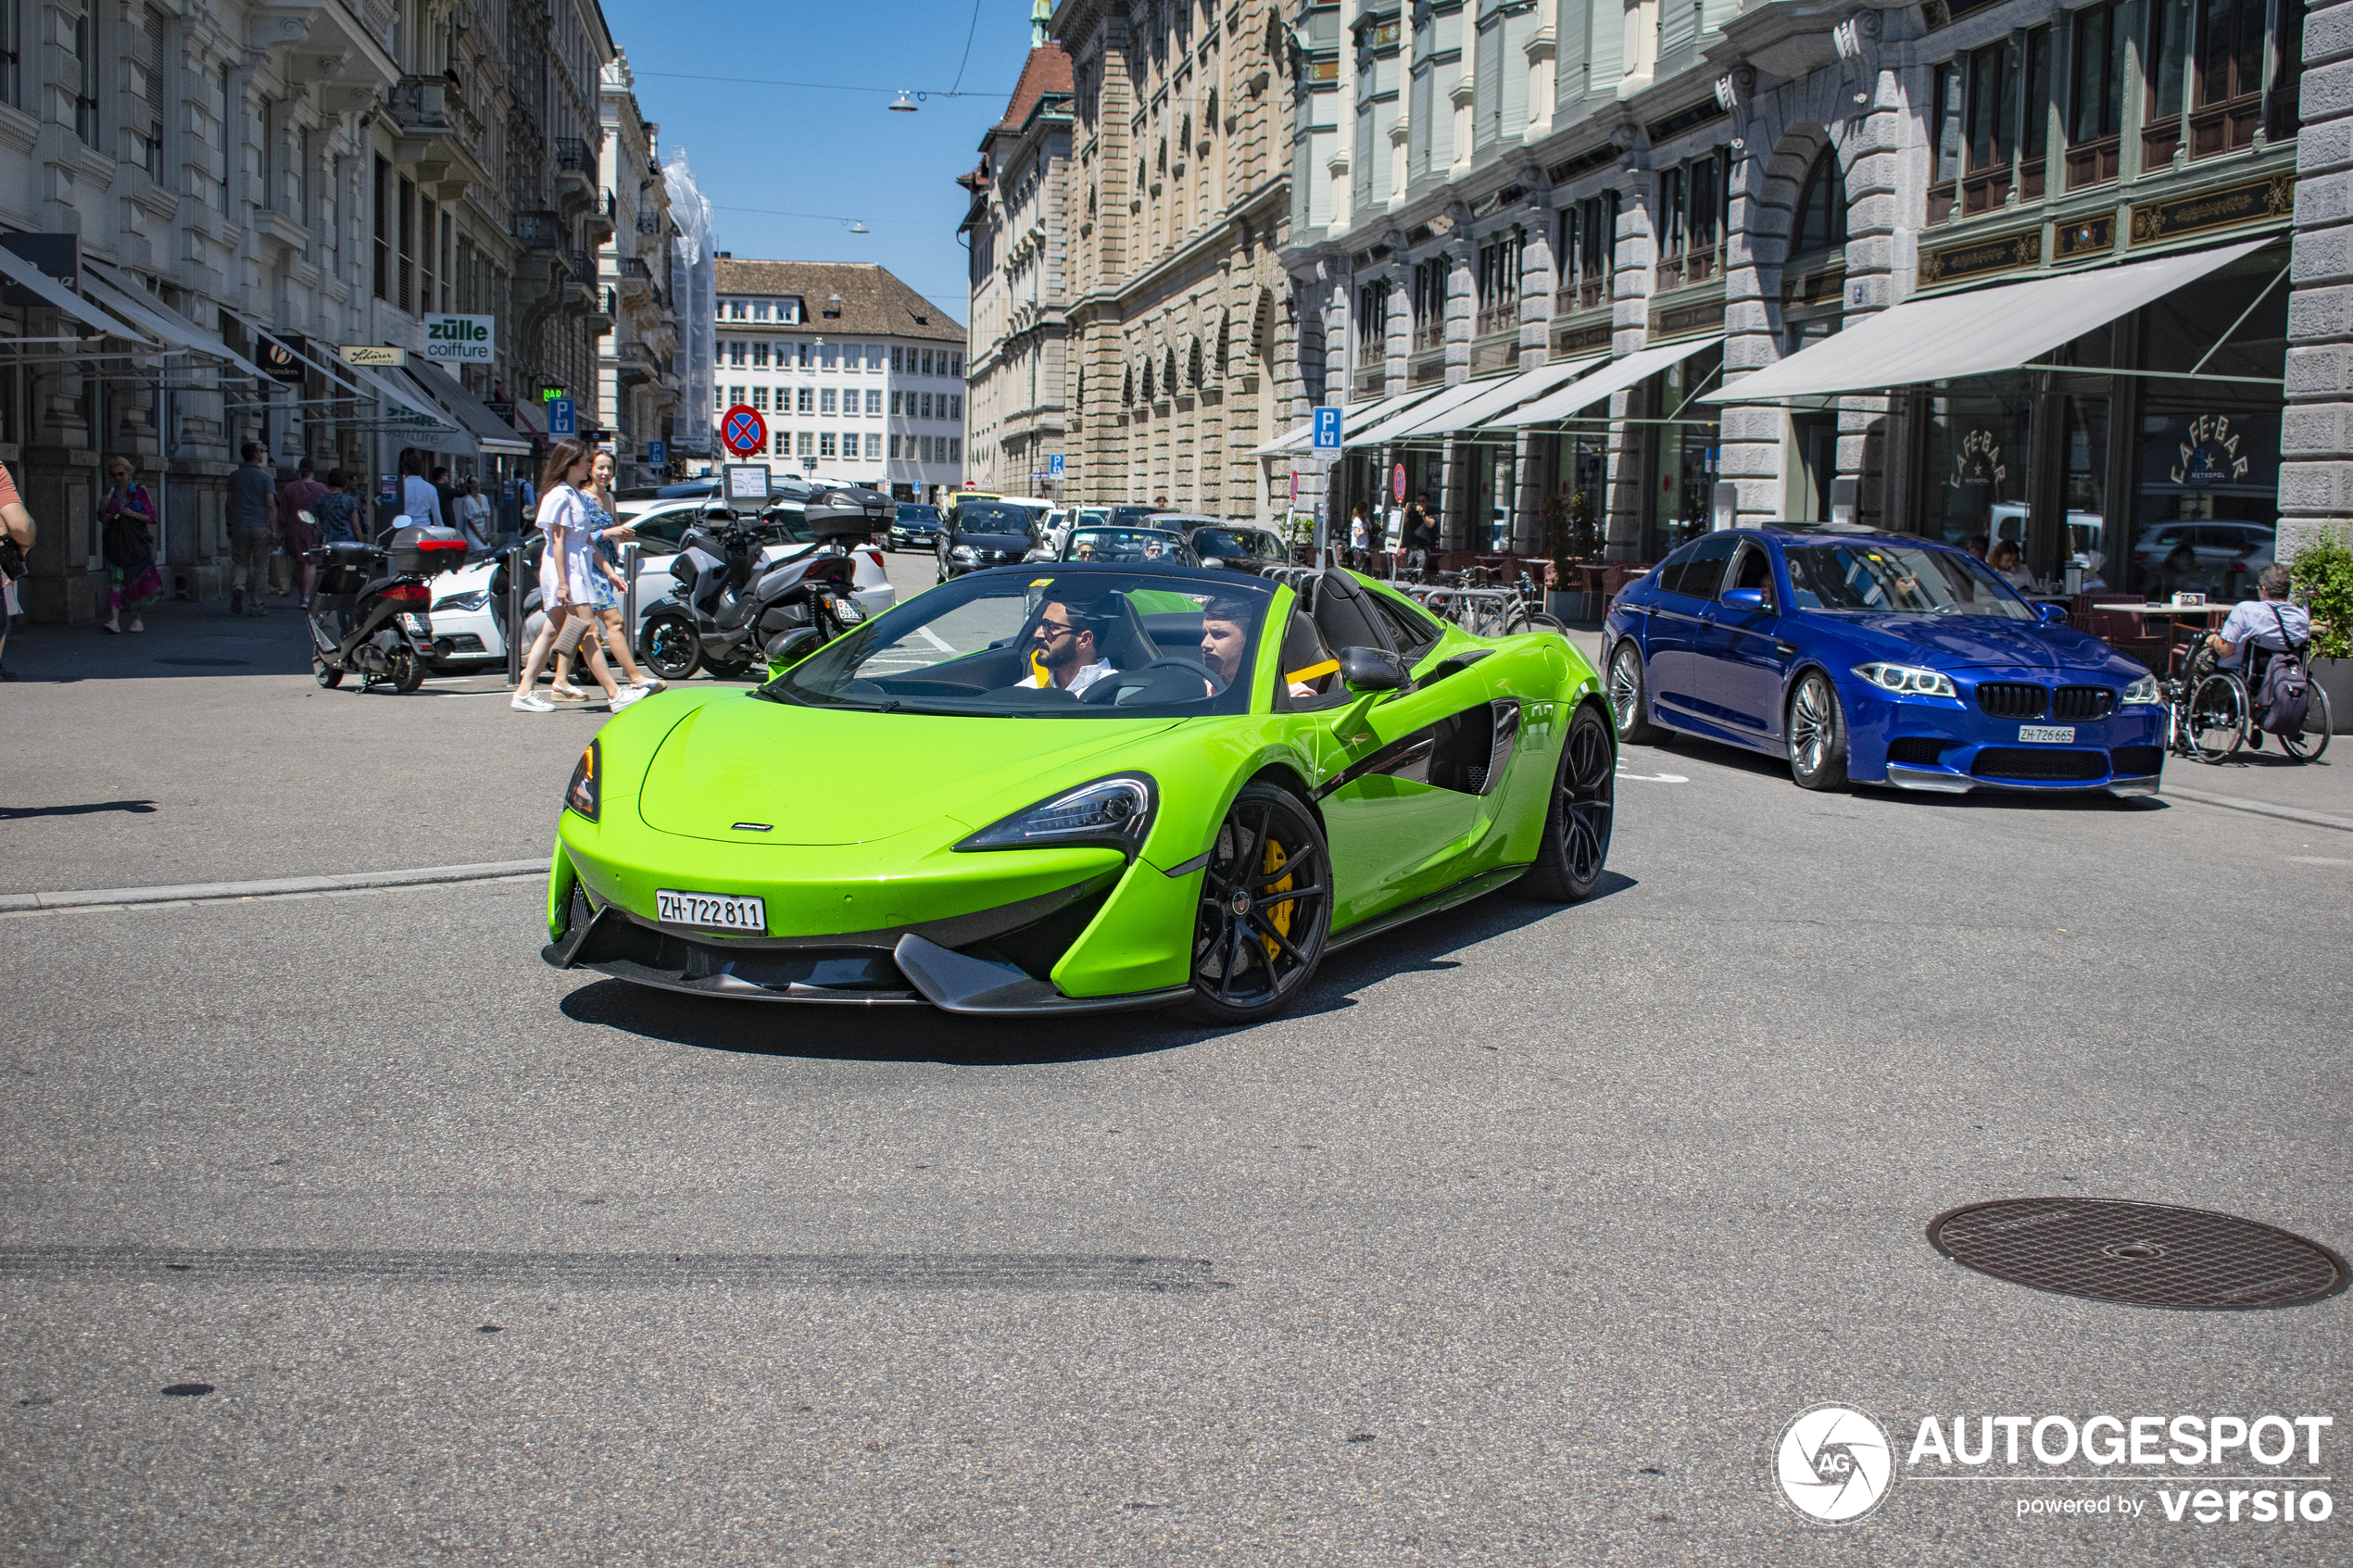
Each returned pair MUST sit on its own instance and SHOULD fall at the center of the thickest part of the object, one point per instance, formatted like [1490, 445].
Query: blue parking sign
[1328, 432]
[658, 454]
[560, 418]
[1055, 466]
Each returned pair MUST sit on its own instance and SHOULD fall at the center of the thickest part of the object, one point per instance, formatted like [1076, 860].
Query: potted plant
[2322, 571]
[1569, 540]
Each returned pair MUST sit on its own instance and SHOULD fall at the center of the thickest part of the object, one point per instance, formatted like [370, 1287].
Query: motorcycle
[726, 614]
[368, 611]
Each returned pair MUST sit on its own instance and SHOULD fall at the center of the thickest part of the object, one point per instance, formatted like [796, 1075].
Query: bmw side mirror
[1373, 669]
[2051, 614]
[1747, 601]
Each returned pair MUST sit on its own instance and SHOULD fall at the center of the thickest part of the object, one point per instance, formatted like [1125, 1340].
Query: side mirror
[1373, 669]
[2051, 614]
[1745, 601]
[789, 648]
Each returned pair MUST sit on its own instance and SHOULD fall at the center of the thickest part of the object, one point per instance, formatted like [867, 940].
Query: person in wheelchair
[1064, 649]
[2256, 629]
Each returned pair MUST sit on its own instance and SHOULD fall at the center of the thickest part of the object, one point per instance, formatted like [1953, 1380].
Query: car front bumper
[1951, 747]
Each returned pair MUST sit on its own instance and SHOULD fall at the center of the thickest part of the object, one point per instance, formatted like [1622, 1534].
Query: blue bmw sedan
[1878, 659]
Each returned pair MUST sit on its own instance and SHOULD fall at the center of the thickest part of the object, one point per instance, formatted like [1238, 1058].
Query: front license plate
[2048, 735]
[717, 911]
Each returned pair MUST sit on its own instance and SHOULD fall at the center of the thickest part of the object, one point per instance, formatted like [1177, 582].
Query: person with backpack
[129, 542]
[2285, 631]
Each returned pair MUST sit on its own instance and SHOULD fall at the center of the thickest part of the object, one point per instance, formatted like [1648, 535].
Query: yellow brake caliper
[1278, 915]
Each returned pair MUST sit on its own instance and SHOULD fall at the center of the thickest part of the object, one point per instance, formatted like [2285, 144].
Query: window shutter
[1419, 127]
[1518, 28]
[1360, 166]
[1487, 101]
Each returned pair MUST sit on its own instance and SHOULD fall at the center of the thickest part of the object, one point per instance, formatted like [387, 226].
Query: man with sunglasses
[1061, 648]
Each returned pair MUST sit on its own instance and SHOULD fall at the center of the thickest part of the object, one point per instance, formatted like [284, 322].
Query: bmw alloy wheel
[1817, 734]
[1625, 699]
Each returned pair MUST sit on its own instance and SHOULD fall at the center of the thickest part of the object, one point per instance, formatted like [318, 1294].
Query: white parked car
[470, 626]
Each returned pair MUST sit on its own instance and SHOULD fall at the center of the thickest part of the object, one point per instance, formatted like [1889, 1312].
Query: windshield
[909, 512]
[1225, 543]
[1124, 545]
[1899, 580]
[991, 517]
[1072, 645]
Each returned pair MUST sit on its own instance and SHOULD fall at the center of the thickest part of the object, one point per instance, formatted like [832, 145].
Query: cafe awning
[26, 275]
[129, 298]
[419, 414]
[495, 436]
[1973, 334]
[1605, 383]
[1354, 416]
[1380, 431]
[1493, 399]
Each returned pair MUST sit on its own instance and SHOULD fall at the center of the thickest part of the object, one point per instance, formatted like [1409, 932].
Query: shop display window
[1974, 460]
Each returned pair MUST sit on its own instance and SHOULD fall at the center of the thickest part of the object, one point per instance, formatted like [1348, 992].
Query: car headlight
[1115, 812]
[474, 600]
[962, 552]
[2143, 693]
[1906, 680]
[581, 793]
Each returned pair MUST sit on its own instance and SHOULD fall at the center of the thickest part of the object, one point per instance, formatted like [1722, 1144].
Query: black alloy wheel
[1817, 734]
[1569, 864]
[673, 647]
[1265, 909]
[1627, 698]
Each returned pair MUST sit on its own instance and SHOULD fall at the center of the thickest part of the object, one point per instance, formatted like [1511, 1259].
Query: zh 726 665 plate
[2047, 734]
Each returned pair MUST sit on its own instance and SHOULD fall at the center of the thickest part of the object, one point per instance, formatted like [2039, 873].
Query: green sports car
[1068, 788]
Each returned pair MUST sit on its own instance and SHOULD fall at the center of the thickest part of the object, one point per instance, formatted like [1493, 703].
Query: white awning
[1606, 382]
[25, 274]
[128, 298]
[1494, 397]
[1355, 416]
[1380, 431]
[418, 413]
[497, 438]
[1973, 334]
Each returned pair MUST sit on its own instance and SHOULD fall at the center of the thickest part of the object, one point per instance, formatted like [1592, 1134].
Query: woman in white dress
[567, 573]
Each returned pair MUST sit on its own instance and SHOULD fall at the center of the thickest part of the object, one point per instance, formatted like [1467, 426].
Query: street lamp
[905, 103]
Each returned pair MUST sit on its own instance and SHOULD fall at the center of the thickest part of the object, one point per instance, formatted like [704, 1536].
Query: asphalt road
[1518, 1242]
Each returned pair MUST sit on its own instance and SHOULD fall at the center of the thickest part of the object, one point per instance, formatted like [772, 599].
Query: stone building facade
[638, 384]
[1182, 358]
[1017, 227]
[1486, 189]
[232, 193]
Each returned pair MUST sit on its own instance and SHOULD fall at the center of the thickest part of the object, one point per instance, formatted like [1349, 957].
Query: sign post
[1326, 446]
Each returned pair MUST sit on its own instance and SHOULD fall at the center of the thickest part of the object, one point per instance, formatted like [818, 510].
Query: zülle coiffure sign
[465, 340]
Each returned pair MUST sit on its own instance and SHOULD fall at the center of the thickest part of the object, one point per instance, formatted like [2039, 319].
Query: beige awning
[1380, 431]
[123, 295]
[1973, 334]
[26, 275]
[1605, 383]
[1353, 417]
[1494, 397]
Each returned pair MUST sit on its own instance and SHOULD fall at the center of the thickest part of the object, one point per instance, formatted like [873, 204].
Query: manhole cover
[2142, 1254]
[214, 664]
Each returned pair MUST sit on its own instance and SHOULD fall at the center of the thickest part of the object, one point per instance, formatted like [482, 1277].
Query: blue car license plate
[2047, 734]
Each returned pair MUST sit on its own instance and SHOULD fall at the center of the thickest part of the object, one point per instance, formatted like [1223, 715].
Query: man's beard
[1060, 654]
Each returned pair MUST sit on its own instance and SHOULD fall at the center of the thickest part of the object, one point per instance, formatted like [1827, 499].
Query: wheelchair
[2213, 709]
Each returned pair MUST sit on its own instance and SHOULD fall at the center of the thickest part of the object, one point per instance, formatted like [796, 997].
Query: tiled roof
[873, 302]
[1046, 70]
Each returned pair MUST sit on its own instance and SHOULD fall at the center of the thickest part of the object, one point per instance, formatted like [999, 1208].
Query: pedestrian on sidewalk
[16, 539]
[446, 494]
[298, 526]
[565, 573]
[473, 515]
[253, 530]
[127, 537]
[338, 510]
[609, 589]
[418, 498]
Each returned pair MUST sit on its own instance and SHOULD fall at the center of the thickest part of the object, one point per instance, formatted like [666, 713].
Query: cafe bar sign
[462, 340]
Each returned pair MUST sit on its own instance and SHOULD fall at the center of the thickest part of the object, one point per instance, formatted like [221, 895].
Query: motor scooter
[727, 614]
[368, 614]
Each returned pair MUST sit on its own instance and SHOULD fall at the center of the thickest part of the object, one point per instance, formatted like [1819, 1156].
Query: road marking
[2259, 808]
[2316, 860]
[210, 892]
[934, 638]
[1653, 778]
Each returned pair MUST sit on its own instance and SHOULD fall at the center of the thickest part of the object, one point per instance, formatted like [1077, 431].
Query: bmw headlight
[1906, 680]
[2143, 693]
[474, 600]
[1115, 812]
[582, 793]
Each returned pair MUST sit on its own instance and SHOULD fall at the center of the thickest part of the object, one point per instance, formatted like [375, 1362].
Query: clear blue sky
[835, 150]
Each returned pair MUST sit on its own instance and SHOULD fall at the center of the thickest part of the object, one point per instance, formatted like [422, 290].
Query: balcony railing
[1586, 294]
[1428, 334]
[582, 267]
[420, 104]
[1501, 317]
[633, 266]
[649, 223]
[572, 155]
[1696, 264]
[539, 231]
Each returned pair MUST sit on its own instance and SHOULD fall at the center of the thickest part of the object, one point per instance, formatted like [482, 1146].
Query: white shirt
[1088, 675]
[421, 501]
[2251, 621]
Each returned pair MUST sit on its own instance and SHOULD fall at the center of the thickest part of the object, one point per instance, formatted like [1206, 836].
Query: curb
[199, 892]
[2258, 807]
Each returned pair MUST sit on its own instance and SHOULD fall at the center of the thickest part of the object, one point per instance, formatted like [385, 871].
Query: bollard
[629, 598]
[514, 613]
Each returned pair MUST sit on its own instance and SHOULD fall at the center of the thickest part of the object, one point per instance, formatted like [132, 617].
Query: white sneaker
[624, 696]
[532, 702]
[651, 684]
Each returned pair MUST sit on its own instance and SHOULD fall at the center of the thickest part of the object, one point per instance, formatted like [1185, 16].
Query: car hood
[1953, 642]
[818, 776]
[994, 541]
